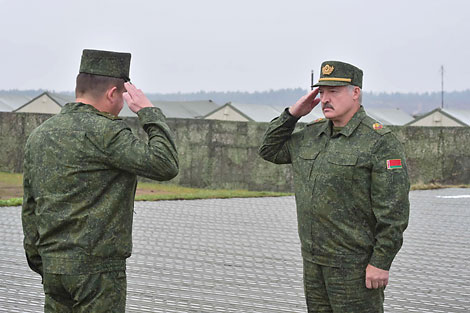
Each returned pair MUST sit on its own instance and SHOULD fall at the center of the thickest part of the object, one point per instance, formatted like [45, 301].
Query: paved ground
[242, 255]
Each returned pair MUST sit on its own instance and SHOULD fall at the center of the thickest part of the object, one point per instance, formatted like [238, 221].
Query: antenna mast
[442, 86]
[311, 82]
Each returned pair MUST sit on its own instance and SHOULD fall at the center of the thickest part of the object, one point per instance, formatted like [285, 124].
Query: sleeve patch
[391, 164]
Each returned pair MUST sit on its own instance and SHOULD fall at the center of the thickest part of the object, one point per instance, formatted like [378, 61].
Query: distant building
[10, 102]
[180, 109]
[388, 116]
[232, 111]
[52, 103]
[443, 117]
[47, 102]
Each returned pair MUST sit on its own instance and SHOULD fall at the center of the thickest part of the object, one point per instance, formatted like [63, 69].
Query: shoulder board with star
[379, 128]
[376, 126]
[317, 121]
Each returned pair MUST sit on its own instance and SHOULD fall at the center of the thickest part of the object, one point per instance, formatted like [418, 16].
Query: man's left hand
[376, 277]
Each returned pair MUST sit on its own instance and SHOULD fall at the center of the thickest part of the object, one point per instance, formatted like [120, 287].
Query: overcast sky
[246, 45]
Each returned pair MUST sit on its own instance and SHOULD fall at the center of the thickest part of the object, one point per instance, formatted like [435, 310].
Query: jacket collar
[72, 107]
[80, 107]
[350, 126]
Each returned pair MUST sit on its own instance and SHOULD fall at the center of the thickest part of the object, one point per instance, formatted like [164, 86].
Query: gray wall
[222, 154]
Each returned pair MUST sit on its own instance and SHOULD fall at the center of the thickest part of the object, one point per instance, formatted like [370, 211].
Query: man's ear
[356, 93]
[111, 93]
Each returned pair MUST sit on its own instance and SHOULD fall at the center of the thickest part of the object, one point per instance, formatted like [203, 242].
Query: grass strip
[11, 202]
[209, 194]
[156, 192]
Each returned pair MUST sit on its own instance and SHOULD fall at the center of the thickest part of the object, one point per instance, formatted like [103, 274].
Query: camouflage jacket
[351, 189]
[80, 172]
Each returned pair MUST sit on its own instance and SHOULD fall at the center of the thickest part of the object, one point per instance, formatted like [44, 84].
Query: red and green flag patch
[391, 164]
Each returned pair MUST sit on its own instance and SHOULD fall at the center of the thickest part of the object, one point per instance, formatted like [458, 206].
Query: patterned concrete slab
[242, 255]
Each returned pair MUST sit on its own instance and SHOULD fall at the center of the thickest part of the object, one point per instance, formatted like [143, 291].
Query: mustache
[327, 105]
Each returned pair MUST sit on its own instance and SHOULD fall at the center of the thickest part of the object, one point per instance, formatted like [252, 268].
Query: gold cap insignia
[377, 126]
[327, 69]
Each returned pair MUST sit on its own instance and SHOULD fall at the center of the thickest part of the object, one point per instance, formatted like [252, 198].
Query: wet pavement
[243, 255]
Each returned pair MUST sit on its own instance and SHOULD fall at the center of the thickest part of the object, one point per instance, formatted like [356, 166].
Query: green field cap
[106, 63]
[336, 73]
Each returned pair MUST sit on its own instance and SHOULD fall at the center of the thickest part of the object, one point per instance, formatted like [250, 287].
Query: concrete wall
[223, 154]
[14, 130]
[436, 154]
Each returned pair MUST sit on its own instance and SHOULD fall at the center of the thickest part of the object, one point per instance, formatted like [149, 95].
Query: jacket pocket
[306, 160]
[308, 153]
[342, 164]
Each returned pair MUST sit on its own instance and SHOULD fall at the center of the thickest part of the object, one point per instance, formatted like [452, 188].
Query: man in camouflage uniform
[80, 171]
[351, 190]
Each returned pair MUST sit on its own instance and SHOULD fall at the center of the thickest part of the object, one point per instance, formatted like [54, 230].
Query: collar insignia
[327, 69]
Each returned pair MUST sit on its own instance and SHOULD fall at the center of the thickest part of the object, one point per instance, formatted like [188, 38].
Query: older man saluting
[351, 189]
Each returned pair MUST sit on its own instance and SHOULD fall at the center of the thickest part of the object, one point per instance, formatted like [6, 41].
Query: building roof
[252, 112]
[257, 112]
[10, 102]
[5, 107]
[264, 112]
[60, 99]
[389, 116]
[383, 115]
[180, 109]
[172, 109]
[460, 116]
[315, 114]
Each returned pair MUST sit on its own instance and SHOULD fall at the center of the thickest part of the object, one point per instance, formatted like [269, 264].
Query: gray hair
[351, 89]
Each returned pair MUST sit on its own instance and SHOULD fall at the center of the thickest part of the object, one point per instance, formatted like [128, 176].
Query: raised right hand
[135, 98]
[304, 105]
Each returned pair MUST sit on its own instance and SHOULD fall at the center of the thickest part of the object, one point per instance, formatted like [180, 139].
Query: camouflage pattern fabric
[340, 289]
[352, 207]
[97, 293]
[337, 73]
[106, 63]
[80, 172]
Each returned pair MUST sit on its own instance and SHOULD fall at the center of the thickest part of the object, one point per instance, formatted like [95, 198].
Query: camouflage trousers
[340, 290]
[100, 292]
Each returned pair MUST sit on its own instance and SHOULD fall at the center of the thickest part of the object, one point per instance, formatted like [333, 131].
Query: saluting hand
[376, 277]
[305, 104]
[135, 98]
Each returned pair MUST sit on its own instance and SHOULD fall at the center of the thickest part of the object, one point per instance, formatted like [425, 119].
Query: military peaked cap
[106, 63]
[336, 73]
